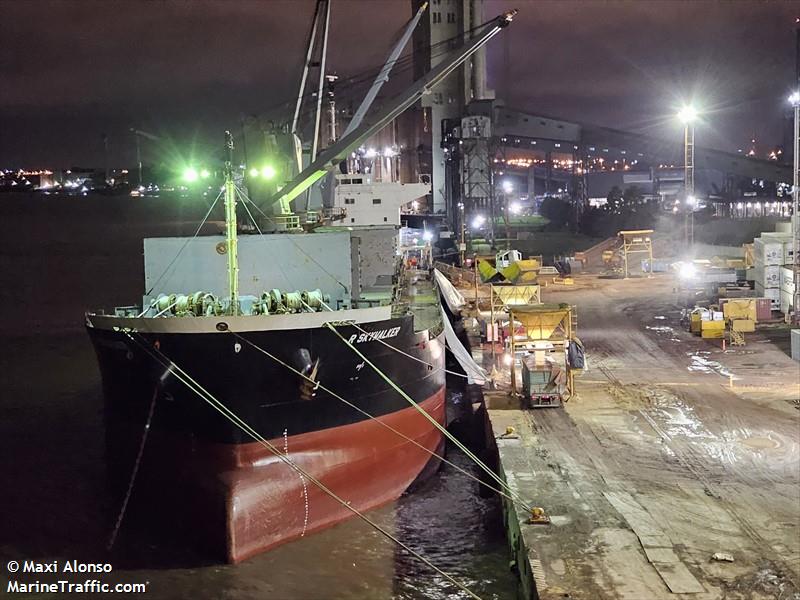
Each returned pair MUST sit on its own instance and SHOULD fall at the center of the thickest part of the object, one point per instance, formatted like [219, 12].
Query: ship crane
[330, 158]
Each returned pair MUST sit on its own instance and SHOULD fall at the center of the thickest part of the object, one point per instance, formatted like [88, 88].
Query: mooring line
[113, 537]
[432, 453]
[194, 386]
[412, 357]
[421, 410]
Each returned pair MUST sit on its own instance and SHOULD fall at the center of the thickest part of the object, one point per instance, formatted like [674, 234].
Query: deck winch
[272, 302]
[196, 304]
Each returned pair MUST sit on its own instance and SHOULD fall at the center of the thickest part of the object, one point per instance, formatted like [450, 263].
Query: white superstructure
[364, 201]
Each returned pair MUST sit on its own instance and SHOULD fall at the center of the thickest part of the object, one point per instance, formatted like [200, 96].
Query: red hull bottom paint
[364, 463]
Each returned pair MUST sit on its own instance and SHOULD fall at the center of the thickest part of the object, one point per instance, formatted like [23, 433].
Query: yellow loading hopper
[545, 321]
[517, 295]
[522, 271]
[487, 271]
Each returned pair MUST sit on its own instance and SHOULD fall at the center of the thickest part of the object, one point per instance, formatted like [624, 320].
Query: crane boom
[339, 151]
[149, 136]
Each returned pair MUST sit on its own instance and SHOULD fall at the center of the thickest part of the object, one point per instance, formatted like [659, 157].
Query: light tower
[688, 116]
[794, 99]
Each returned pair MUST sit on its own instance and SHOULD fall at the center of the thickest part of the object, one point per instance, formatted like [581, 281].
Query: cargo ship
[279, 329]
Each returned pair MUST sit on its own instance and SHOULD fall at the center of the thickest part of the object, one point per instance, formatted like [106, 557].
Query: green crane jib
[338, 152]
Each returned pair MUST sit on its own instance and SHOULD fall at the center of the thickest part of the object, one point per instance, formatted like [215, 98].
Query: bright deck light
[268, 172]
[190, 174]
[687, 114]
[687, 271]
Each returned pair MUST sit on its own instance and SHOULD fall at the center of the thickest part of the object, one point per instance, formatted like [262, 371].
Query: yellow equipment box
[694, 323]
[740, 308]
[743, 325]
[712, 333]
[712, 326]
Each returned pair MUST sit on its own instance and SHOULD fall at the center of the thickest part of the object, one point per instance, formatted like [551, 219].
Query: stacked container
[770, 252]
[787, 288]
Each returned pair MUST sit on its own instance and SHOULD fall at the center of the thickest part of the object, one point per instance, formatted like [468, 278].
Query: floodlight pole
[796, 210]
[688, 155]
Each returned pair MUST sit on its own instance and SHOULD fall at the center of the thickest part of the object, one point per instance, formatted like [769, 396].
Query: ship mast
[230, 227]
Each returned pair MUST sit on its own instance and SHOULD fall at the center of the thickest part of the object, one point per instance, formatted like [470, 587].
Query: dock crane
[329, 159]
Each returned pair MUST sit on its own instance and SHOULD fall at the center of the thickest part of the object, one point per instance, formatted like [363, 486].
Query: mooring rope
[298, 247]
[433, 421]
[185, 243]
[113, 537]
[411, 356]
[194, 386]
[433, 454]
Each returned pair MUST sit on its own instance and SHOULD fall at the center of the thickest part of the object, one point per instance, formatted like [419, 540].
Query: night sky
[185, 70]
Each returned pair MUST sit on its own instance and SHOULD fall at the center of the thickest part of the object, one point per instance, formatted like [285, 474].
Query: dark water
[56, 505]
[62, 256]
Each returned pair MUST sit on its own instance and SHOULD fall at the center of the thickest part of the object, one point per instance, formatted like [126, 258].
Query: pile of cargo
[738, 315]
[771, 252]
[754, 309]
[708, 324]
[741, 314]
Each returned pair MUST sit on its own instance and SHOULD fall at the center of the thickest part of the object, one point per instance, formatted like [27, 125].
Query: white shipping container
[787, 279]
[767, 251]
[774, 295]
[783, 227]
[786, 302]
[788, 253]
[768, 276]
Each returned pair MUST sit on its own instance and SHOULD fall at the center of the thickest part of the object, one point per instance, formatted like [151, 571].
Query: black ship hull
[247, 499]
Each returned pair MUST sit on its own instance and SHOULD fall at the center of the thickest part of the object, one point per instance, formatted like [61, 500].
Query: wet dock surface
[673, 450]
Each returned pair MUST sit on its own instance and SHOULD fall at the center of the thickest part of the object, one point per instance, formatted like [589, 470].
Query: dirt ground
[673, 450]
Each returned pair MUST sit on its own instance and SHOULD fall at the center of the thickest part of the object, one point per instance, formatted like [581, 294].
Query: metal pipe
[796, 213]
[511, 332]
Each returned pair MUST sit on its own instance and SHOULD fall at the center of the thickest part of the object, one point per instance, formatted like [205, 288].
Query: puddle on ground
[679, 420]
[676, 416]
[660, 328]
[700, 364]
[761, 443]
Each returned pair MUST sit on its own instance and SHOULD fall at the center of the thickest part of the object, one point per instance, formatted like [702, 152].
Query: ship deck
[418, 294]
